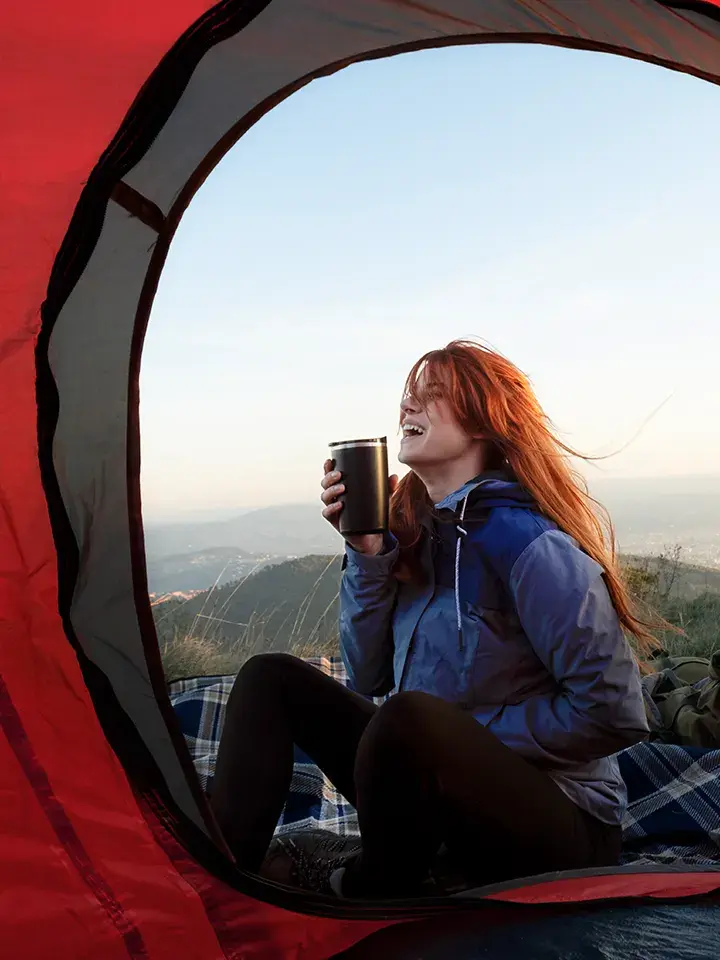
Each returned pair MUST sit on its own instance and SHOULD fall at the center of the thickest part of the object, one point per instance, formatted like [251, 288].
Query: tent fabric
[229, 89]
[612, 934]
[113, 115]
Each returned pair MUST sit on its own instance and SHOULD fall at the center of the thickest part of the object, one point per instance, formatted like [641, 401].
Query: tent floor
[643, 932]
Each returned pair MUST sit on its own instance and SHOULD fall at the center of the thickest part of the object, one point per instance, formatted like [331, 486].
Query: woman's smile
[411, 431]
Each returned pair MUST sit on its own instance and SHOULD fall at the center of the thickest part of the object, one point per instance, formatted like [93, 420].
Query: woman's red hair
[490, 396]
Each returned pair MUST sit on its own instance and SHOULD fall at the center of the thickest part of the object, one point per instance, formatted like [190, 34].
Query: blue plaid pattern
[200, 707]
[673, 813]
[313, 802]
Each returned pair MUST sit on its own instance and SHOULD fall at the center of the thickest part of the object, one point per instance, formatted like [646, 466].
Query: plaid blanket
[312, 803]
[673, 813]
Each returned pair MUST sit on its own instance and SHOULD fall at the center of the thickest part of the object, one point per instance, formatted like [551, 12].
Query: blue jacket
[515, 624]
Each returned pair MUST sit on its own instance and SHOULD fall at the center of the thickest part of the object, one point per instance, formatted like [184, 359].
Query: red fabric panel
[68, 73]
[250, 929]
[115, 884]
[67, 838]
[45, 908]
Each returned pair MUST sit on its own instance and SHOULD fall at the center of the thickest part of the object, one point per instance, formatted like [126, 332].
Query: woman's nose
[409, 405]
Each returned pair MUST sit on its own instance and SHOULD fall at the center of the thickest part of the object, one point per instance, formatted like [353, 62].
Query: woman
[496, 612]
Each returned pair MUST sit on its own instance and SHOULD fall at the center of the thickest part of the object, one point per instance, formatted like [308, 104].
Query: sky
[562, 206]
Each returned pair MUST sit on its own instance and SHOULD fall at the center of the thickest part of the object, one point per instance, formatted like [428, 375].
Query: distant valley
[201, 569]
[649, 516]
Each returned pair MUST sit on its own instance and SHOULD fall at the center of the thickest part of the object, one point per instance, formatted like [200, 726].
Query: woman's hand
[370, 543]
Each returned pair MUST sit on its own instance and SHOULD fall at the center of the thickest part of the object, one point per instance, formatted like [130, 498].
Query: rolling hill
[294, 602]
[272, 609]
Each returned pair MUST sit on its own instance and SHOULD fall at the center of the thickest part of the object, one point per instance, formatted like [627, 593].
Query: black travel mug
[364, 468]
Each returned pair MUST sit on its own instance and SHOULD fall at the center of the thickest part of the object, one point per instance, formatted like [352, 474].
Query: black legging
[419, 770]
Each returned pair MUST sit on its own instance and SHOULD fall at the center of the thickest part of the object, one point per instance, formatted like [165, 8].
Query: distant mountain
[690, 505]
[200, 570]
[282, 531]
[648, 515]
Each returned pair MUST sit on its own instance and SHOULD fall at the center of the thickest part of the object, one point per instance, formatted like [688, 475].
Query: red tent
[113, 115]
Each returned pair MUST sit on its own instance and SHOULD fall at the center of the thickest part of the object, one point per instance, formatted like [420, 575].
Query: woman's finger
[332, 493]
[332, 510]
[329, 479]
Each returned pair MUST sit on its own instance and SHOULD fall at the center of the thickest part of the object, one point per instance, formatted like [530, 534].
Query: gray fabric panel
[293, 38]
[89, 351]
[89, 356]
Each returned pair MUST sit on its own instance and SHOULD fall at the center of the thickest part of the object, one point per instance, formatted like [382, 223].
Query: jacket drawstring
[461, 532]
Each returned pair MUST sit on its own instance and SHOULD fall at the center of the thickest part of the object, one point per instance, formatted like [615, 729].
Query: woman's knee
[393, 742]
[401, 719]
[408, 706]
[266, 670]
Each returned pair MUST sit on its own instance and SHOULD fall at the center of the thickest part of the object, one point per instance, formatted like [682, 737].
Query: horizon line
[175, 516]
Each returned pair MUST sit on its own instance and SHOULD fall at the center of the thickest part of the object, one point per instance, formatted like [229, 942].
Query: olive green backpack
[687, 699]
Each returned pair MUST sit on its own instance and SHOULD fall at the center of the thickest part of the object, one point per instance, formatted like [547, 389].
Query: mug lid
[372, 442]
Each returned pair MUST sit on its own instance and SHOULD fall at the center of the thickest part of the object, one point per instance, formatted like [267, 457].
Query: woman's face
[430, 433]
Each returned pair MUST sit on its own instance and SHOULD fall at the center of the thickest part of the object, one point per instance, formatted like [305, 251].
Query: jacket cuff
[382, 562]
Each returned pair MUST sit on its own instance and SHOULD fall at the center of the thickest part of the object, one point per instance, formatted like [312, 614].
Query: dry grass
[204, 646]
[204, 656]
